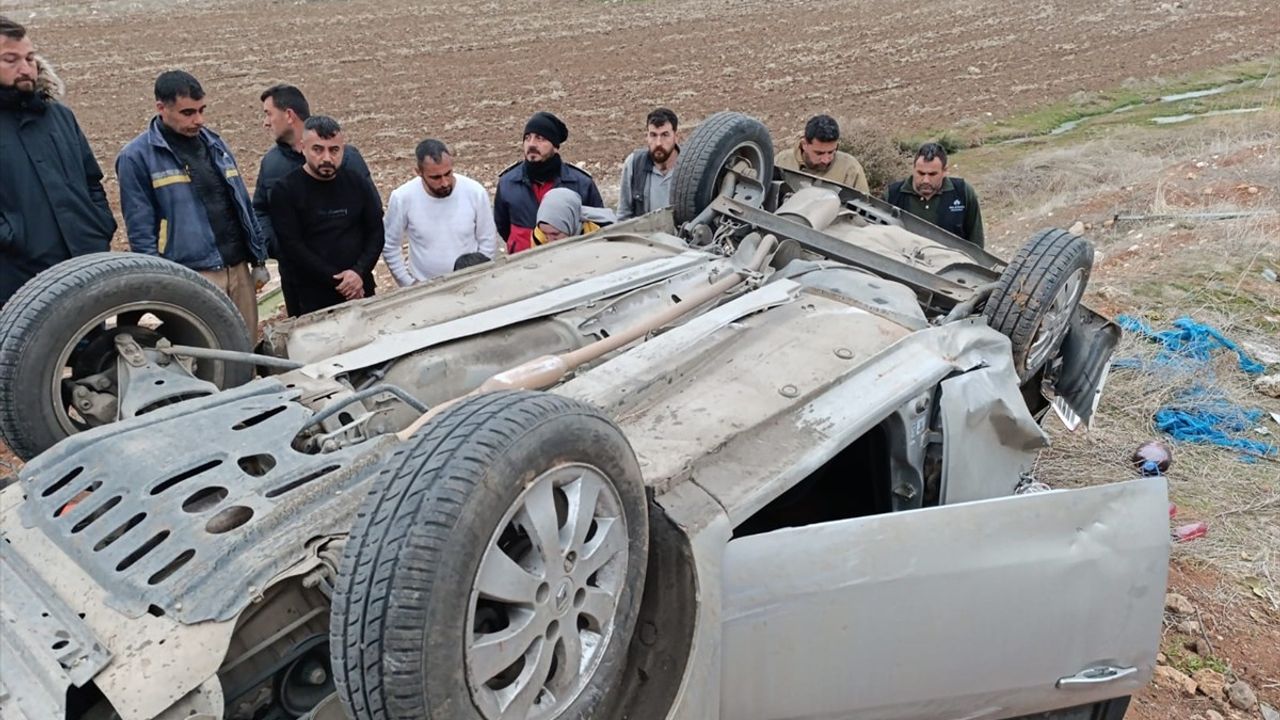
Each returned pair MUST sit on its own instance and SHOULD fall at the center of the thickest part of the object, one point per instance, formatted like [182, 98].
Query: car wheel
[57, 334]
[1037, 294]
[495, 567]
[723, 142]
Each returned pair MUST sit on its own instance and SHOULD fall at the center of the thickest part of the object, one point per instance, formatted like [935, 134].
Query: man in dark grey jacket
[284, 112]
[52, 205]
[646, 175]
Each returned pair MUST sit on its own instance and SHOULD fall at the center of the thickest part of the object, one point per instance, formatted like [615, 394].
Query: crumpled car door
[987, 609]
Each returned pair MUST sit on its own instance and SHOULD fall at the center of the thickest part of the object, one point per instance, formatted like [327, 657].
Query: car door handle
[1090, 677]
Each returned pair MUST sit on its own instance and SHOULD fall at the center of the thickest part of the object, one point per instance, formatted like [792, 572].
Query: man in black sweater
[284, 112]
[328, 223]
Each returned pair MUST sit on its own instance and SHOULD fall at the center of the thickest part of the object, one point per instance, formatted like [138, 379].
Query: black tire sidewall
[37, 331]
[1028, 286]
[703, 157]
[424, 628]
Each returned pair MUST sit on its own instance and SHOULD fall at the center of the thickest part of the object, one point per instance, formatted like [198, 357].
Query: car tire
[65, 308]
[416, 623]
[1037, 294]
[716, 145]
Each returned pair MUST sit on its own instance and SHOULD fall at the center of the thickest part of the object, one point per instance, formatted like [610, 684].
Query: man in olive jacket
[818, 154]
[52, 205]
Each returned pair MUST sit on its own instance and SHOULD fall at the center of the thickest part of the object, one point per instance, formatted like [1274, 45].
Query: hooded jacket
[162, 214]
[515, 204]
[561, 208]
[52, 205]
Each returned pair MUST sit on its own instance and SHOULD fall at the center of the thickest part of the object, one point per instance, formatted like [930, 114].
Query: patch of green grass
[1140, 97]
[1135, 103]
[1188, 661]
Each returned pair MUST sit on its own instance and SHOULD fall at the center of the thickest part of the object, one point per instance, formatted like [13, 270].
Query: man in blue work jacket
[183, 198]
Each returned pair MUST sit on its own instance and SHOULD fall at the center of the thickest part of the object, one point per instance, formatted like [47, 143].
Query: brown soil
[1244, 635]
[395, 71]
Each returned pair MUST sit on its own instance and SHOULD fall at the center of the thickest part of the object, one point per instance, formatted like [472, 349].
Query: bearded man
[328, 223]
[440, 214]
[52, 205]
[645, 185]
[522, 186]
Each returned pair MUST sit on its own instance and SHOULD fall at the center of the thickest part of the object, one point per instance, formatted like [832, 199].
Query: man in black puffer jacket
[52, 205]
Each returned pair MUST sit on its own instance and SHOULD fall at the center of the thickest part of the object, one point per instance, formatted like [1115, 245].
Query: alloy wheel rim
[543, 604]
[1054, 324]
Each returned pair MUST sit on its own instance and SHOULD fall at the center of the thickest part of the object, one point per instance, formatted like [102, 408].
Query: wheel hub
[1054, 324]
[563, 595]
[543, 604]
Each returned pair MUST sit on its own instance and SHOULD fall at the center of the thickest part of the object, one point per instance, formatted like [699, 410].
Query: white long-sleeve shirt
[438, 229]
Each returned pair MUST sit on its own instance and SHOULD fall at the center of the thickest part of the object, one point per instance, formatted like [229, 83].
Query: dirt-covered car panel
[155, 660]
[763, 370]
[542, 272]
[196, 534]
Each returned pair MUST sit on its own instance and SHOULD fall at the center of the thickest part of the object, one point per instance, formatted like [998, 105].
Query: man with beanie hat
[522, 186]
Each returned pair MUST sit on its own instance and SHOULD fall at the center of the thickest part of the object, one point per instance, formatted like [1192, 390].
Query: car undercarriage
[571, 484]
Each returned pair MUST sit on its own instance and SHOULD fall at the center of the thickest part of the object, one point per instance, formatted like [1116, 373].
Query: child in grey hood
[562, 215]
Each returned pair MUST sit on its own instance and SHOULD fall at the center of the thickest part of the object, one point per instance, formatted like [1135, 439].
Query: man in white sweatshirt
[444, 215]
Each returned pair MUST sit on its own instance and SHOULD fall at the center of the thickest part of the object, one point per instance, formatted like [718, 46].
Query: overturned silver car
[760, 455]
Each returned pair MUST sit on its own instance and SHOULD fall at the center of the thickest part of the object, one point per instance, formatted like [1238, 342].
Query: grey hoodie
[561, 208]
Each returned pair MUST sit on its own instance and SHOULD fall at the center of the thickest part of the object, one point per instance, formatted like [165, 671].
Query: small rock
[1253, 190]
[1077, 228]
[1202, 164]
[1161, 659]
[1268, 385]
[1199, 647]
[1242, 696]
[1269, 713]
[1189, 627]
[1108, 222]
[1178, 604]
[1210, 682]
[1213, 715]
[1270, 274]
[1174, 679]
[1191, 176]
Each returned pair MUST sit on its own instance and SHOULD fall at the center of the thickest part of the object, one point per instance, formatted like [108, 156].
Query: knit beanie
[548, 126]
